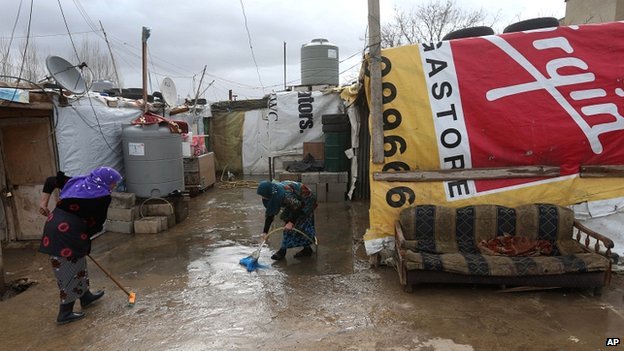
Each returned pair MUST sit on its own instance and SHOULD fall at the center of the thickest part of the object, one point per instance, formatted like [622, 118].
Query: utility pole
[374, 65]
[284, 66]
[144, 36]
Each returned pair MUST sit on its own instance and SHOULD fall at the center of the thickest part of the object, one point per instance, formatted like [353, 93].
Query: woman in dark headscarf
[80, 213]
[297, 203]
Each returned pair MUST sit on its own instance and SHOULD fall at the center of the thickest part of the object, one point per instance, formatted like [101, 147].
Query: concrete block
[122, 200]
[336, 192]
[163, 222]
[321, 192]
[309, 177]
[147, 225]
[328, 177]
[289, 176]
[343, 177]
[157, 210]
[126, 227]
[122, 214]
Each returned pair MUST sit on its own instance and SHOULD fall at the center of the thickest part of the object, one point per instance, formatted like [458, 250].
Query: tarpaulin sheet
[295, 118]
[255, 143]
[227, 137]
[549, 97]
[88, 135]
[290, 119]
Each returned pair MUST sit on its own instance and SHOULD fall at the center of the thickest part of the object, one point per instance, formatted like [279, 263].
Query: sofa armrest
[399, 243]
[589, 235]
[399, 237]
[598, 239]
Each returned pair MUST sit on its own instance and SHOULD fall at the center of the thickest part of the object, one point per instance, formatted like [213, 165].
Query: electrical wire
[253, 56]
[5, 60]
[26, 45]
[68, 31]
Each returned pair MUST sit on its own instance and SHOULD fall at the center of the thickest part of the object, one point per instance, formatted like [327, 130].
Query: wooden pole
[374, 65]
[284, 66]
[198, 87]
[468, 174]
[144, 36]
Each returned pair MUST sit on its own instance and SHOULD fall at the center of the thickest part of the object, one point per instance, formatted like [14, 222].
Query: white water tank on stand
[152, 160]
[319, 63]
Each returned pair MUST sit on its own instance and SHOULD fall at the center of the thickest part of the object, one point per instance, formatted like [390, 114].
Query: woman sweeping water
[80, 213]
[297, 204]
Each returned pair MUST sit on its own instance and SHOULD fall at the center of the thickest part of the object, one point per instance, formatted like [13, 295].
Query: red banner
[547, 97]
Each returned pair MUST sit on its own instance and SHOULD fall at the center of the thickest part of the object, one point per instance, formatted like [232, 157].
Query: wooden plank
[470, 174]
[374, 65]
[602, 171]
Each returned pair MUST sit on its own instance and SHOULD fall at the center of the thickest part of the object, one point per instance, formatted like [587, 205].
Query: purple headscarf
[94, 185]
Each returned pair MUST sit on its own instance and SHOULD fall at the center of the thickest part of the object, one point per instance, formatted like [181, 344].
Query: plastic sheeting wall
[88, 135]
[279, 131]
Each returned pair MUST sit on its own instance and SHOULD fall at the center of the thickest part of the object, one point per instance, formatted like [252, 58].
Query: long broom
[131, 295]
[251, 261]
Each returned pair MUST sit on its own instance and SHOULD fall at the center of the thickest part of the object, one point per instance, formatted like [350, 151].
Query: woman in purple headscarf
[80, 213]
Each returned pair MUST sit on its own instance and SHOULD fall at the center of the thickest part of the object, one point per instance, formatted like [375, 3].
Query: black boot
[87, 298]
[307, 251]
[279, 254]
[66, 313]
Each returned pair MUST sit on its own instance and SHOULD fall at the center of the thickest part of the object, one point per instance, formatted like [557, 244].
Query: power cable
[5, 60]
[19, 76]
[253, 56]
[68, 31]
[49, 35]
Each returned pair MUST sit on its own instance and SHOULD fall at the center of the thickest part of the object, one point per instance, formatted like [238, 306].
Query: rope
[294, 229]
[238, 184]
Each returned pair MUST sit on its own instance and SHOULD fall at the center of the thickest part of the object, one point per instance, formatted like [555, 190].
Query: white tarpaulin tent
[280, 130]
[88, 134]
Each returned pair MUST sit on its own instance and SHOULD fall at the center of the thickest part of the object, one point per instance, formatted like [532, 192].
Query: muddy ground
[192, 294]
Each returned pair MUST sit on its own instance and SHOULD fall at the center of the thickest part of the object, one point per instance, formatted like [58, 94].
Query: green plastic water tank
[335, 145]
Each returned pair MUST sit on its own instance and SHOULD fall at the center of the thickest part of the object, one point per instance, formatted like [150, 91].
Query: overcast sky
[187, 35]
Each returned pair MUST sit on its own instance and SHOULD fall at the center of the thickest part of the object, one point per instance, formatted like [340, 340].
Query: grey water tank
[319, 63]
[152, 160]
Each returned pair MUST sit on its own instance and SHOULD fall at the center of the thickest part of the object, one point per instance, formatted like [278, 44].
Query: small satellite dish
[66, 74]
[169, 92]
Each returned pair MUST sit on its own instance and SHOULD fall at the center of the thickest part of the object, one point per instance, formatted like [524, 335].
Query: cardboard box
[316, 149]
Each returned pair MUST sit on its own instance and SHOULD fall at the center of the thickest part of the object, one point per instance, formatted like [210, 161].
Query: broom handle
[109, 275]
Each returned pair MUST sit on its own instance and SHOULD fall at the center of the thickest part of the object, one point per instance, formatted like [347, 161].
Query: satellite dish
[169, 93]
[66, 74]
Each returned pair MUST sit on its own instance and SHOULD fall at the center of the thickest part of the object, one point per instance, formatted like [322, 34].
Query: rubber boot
[88, 298]
[307, 251]
[67, 314]
[279, 254]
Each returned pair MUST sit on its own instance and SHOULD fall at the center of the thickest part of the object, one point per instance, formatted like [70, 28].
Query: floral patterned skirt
[71, 277]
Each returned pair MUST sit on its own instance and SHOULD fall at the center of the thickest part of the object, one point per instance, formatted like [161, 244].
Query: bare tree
[30, 66]
[429, 22]
[98, 60]
[7, 67]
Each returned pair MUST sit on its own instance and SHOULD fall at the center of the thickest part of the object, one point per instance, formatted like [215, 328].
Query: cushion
[439, 229]
[484, 265]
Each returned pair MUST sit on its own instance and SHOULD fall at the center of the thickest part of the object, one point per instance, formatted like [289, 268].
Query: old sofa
[436, 244]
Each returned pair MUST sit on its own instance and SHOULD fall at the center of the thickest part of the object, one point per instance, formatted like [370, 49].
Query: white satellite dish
[66, 75]
[169, 92]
